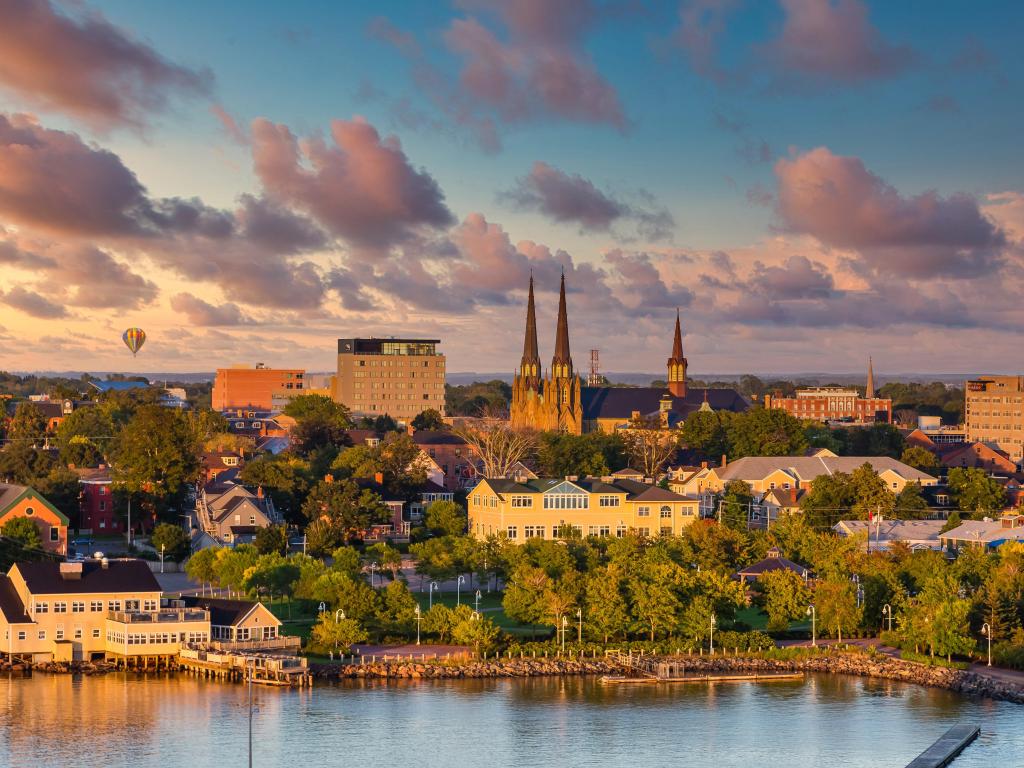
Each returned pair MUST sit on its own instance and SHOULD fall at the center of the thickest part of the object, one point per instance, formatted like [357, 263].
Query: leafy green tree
[829, 499]
[870, 494]
[81, 436]
[428, 419]
[911, 503]
[201, 567]
[24, 531]
[439, 621]
[952, 521]
[347, 560]
[272, 539]
[655, 606]
[230, 566]
[561, 453]
[353, 596]
[707, 432]
[346, 508]
[605, 606]
[334, 633]
[476, 630]
[976, 492]
[28, 425]
[21, 462]
[836, 603]
[61, 488]
[736, 501]
[920, 458]
[284, 477]
[272, 574]
[876, 440]
[524, 598]
[303, 407]
[435, 558]
[765, 432]
[395, 458]
[171, 540]
[446, 518]
[786, 597]
[398, 608]
[386, 556]
[695, 618]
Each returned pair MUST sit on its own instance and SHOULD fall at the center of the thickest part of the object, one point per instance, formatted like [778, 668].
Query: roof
[118, 386]
[11, 607]
[44, 578]
[784, 497]
[93, 474]
[622, 402]
[984, 531]
[436, 437]
[777, 563]
[806, 468]
[223, 613]
[12, 494]
[893, 530]
[429, 486]
[634, 491]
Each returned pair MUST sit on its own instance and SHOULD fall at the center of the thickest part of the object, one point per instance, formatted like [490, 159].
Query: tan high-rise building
[398, 377]
[258, 388]
[994, 413]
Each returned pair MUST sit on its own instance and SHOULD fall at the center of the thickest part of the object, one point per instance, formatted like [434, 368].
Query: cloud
[798, 278]
[837, 200]
[570, 198]
[833, 40]
[642, 278]
[85, 66]
[100, 281]
[32, 303]
[203, 314]
[701, 26]
[361, 187]
[230, 125]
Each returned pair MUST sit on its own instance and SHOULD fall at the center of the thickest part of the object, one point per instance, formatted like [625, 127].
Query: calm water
[120, 720]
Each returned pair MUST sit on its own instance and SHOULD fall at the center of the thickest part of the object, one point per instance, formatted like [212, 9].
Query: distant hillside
[802, 378]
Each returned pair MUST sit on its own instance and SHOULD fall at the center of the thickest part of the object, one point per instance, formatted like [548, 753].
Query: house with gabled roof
[23, 501]
[232, 514]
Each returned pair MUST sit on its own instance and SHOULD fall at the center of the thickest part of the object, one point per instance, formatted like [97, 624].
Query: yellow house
[524, 508]
[91, 610]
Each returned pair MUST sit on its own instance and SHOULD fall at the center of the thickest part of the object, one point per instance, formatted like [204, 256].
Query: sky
[809, 182]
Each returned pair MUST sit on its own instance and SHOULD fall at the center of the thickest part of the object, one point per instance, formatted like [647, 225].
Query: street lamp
[373, 567]
[338, 613]
[419, 618]
[986, 630]
[712, 644]
[579, 628]
[814, 625]
[487, 576]
[161, 558]
[476, 607]
[565, 625]
[458, 585]
[433, 586]
[887, 613]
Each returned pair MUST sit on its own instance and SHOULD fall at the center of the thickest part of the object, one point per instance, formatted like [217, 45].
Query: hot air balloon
[134, 338]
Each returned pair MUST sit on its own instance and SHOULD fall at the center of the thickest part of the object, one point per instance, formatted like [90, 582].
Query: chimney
[725, 461]
[259, 492]
[328, 478]
[703, 465]
[410, 429]
[71, 571]
[378, 478]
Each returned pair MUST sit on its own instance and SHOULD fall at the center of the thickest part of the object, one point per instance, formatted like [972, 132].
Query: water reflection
[147, 722]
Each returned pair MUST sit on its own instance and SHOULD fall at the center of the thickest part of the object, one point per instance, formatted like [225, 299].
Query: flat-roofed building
[522, 508]
[257, 388]
[994, 413]
[845, 405]
[398, 377]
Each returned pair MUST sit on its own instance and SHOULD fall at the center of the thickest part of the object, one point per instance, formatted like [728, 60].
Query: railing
[281, 642]
[164, 616]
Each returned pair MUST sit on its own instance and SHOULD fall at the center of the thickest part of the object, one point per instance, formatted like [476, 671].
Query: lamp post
[887, 613]
[161, 558]
[373, 567]
[814, 625]
[337, 613]
[476, 606]
[712, 641]
[986, 630]
[565, 625]
[433, 586]
[458, 589]
[579, 626]
[419, 618]
[487, 576]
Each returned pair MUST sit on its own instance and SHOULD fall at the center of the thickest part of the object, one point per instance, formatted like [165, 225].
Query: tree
[654, 604]
[386, 556]
[272, 574]
[786, 597]
[60, 487]
[870, 493]
[876, 440]
[398, 607]
[648, 445]
[347, 509]
[975, 491]
[446, 518]
[323, 407]
[28, 425]
[953, 521]
[836, 603]
[474, 629]
[352, 595]
[272, 539]
[171, 540]
[829, 499]
[201, 566]
[435, 558]
[284, 477]
[911, 503]
[605, 607]
[920, 458]
[737, 497]
[333, 633]
[765, 432]
[82, 436]
[498, 446]
[24, 531]
[428, 419]
[439, 621]
[560, 454]
[707, 432]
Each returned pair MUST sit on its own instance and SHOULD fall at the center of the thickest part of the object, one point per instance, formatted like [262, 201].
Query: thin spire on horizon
[562, 354]
[869, 390]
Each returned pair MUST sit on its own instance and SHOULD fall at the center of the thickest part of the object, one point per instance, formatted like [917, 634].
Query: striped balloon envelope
[134, 338]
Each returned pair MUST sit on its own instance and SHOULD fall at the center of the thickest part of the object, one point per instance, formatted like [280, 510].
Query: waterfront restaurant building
[522, 508]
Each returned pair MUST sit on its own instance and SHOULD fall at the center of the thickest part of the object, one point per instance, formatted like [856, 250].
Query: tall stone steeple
[677, 364]
[529, 367]
[561, 362]
[869, 390]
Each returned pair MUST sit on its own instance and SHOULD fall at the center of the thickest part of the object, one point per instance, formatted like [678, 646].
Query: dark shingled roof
[621, 402]
[634, 490]
[10, 604]
[776, 563]
[436, 437]
[223, 613]
[43, 578]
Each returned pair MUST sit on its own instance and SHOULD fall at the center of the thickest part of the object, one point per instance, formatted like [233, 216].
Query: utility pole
[720, 503]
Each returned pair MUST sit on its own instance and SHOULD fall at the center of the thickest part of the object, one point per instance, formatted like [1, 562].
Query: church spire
[529, 368]
[677, 364]
[561, 363]
[869, 390]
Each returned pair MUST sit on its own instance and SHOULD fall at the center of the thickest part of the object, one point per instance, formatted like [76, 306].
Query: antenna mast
[594, 379]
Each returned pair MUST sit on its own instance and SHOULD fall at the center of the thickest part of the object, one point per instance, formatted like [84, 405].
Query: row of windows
[58, 633]
[566, 501]
[399, 385]
[154, 638]
[78, 606]
[384, 363]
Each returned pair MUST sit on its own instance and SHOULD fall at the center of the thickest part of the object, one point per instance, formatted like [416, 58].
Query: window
[54, 533]
[78, 607]
[29, 511]
[644, 531]
[42, 634]
[666, 512]
[531, 531]
[96, 605]
[519, 502]
[60, 607]
[566, 501]
[42, 607]
[620, 531]
[78, 632]
[113, 605]
[512, 532]
[21, 634]
[103, 506]
[131, 605]
[60, 631]
[95, 633]
[643, 511]
[608, 501]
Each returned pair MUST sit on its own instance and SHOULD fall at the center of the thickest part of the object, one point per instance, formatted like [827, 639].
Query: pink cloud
[230, 125]
[85, 66]
[837, 200]
[32, 303]
[360, 187]
[204, 314]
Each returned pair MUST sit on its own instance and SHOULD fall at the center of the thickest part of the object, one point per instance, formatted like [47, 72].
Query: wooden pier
[652, 670]
[265, 668]
[945, 750]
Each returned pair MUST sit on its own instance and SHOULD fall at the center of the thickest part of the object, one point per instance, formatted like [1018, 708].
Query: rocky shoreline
[838, 663]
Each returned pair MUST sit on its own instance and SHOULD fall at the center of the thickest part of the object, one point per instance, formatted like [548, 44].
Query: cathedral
[557, 400]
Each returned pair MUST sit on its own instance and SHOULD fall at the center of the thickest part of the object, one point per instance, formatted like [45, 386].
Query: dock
[948, 746]
[763, 677]
[264, 668]
[650, 670]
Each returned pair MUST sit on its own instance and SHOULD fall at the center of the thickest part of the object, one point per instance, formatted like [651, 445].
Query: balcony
[163, 616]
[279, 643]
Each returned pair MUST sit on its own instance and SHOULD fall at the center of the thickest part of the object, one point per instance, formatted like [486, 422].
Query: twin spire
[561, 362]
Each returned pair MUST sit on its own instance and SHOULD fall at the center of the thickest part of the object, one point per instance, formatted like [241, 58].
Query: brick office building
[836, 404]
[994, 413]
[258, 388]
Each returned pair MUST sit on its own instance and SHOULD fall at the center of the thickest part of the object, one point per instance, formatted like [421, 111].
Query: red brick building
[96, 508]
[835, 404]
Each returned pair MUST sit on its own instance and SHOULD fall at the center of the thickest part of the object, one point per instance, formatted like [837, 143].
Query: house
[23, 501]
[773, 562]
[103, 387]
[774, 504]
[399, 524]
[98, 609]
[217, 462]
[455, 457]
[986, 533]
[96, 508]
[231, 513]
[979, 455]
[521, 508]
[880, 534]
[238, 621]
[429, 492]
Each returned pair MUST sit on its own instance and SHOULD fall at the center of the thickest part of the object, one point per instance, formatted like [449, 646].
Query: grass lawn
[754, 616]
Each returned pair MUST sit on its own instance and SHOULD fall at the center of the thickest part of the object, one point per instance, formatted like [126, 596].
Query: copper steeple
[677, 364]
[869, 390]
[530, 366]
[561, 363]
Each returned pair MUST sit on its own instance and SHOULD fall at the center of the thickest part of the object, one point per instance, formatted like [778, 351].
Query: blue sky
[700, 110]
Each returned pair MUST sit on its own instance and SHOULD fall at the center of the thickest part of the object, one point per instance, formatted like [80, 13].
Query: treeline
[17, 387]
[481, 398]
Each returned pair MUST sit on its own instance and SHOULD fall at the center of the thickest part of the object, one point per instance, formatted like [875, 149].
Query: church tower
[529, 366]
[562, 389]
[677, 364]
[561, 362]
[869, 390]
